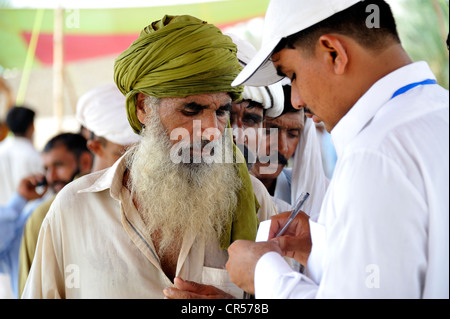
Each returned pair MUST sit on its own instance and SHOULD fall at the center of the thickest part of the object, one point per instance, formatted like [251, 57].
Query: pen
[300, 202]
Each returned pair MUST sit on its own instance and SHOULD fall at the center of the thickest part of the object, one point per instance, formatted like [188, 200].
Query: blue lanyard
[411, 86]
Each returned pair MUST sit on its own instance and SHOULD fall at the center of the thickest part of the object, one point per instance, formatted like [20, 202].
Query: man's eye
[224, 110]
[221, 112]
[294, 134]
[190, 112]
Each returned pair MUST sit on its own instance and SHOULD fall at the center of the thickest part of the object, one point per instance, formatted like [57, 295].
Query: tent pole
[30, 56]
[58, 66]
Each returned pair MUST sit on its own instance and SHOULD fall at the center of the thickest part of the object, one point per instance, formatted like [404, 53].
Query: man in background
[102, 111]
[28, 190]
[296, 140]
[65, 158]
[18, 157]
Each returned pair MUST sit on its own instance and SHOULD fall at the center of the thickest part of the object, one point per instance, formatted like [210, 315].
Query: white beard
[175, 198]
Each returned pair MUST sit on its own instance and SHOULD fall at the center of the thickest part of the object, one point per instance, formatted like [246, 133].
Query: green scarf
[181, 56]
[245, 222]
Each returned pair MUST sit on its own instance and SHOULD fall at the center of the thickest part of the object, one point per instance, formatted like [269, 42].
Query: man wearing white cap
[383, 229]
[296, 140]
[102, 111]
[247, 115]
[269, 104]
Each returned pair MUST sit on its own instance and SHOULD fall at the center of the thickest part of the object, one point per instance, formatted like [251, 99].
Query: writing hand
[296, 241]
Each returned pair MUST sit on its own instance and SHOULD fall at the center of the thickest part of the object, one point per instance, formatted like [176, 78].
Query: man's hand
[296, 241]
[243, 256]
[192, 290]
[27, 187]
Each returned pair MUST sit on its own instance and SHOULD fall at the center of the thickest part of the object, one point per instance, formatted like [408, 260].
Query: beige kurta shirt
[93, 244]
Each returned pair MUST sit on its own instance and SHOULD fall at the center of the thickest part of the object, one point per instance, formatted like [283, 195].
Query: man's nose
[238, 132]
[209, 128]
[282, 142]
[50, 175]
[296, 100]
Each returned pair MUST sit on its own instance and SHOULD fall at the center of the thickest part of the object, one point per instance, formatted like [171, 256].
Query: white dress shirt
[383, 230]
[18, 159]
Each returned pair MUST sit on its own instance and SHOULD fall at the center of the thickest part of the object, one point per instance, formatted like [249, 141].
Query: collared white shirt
[18, 159]
[383, 230]
[93, 244]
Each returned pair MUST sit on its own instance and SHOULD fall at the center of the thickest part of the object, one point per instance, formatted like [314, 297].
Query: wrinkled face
[61, 167]
[246, 122]
[192, 122]
[169, 193]
[287, 129]
[204, 116]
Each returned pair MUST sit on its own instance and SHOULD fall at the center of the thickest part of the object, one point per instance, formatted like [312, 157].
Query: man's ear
[141, 111]
[85, 162]
[95, 146]
[334, 51]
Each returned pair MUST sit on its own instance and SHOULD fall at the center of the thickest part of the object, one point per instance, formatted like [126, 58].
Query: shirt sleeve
[275, 279]
[8, 219]
[46, 277]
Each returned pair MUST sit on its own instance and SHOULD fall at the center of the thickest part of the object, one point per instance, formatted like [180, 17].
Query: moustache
[197, 151]
[282, 160]
[249, 156]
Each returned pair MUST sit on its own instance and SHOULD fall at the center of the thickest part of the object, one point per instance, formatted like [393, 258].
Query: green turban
[177, 56]
[180, 56]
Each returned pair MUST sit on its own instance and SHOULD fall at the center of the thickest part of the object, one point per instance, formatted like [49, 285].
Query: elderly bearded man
[130, 231]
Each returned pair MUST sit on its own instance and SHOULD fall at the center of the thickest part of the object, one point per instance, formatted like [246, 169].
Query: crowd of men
[200, 140]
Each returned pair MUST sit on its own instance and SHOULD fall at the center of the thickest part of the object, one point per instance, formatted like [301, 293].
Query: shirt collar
[111, 178]
[360, 115]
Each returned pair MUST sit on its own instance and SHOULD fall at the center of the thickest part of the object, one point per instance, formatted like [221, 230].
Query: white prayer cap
[285, 18]
[102, 111]
[271, 97]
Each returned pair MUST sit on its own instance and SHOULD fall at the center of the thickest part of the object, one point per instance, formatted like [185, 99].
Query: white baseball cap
[285, 18]
[271, 97]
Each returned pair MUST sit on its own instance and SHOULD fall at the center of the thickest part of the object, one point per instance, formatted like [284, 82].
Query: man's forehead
[206, 100]
[249, 106]
[291, 120]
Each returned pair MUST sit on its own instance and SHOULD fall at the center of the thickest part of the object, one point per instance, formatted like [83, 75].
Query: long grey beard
[174, 198]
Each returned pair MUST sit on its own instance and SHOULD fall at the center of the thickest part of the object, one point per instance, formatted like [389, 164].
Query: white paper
[263, 231]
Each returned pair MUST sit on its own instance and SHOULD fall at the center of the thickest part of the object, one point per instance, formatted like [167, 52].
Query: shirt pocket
[219, 278]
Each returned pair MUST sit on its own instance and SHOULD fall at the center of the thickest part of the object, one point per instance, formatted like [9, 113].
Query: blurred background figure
[18, 157]
[102, 112]
[66, 157]
[9, 214]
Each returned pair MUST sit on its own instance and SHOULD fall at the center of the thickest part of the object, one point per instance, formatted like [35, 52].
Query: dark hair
[74, 143]
[351, 22]
[19, 119]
